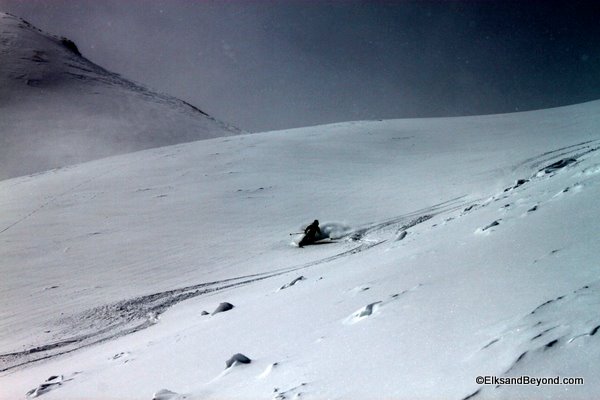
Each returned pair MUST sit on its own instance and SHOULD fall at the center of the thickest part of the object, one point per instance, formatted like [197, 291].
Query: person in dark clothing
[310, 233]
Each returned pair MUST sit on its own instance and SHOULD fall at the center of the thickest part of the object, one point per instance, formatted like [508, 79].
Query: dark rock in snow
[368, 309]
[521, 181]
[165, 394]
[558, 165]
[467, 209]
[223, 307]
[51, 383]
[495, 223]
[292, 283]
[516, 185]
[204, 313]
[401, 236]
[70, 45]
[239, 358]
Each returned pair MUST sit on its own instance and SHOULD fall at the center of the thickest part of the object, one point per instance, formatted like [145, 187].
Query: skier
[310, 233]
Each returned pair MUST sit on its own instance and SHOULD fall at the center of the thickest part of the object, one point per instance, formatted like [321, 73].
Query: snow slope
[463, 247]
[57, 108]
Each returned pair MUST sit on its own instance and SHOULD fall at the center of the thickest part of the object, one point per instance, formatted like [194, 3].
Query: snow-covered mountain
[58, 108]
[463, 247]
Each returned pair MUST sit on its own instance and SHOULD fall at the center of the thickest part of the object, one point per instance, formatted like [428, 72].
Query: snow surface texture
[57, 108]
[463, 247]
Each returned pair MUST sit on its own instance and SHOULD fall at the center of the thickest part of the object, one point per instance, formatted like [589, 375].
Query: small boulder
[401, 235]
[292, 283]
[495, 223]
[222, 308]
[70, 45]
[558, 165]
[165, 394]
[237, 358]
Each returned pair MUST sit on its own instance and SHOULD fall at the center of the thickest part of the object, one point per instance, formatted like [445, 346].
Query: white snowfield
[58, 108]
[463, 247]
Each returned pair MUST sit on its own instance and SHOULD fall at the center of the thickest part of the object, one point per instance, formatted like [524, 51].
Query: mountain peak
[58, 108]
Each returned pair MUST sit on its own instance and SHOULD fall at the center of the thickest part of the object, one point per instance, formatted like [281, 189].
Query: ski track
[411, 219]
[107, 322]
[118, 319]
[111, 321]
[568, 156]
[546, 157]
[53, 199]
[556, 323]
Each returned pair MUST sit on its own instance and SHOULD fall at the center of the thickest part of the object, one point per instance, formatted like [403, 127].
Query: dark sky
[265, 65]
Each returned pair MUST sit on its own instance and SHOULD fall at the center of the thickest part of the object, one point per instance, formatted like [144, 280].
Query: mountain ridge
[76, 110]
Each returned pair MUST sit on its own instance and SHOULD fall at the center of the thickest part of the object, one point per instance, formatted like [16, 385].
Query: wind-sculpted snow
[113, 320]
[467, 249]
[375, 307]
[53, 382]
[550, 335]
[128, 316]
